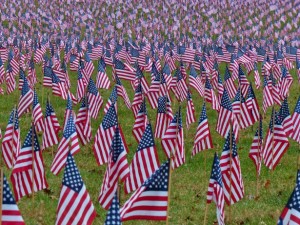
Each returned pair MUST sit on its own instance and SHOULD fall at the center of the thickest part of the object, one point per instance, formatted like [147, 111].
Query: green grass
[189, 182]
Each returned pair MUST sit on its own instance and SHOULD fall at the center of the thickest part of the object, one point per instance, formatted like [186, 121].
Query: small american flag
[295, 135]
[24, 180]
[58, 87]
[124, 71]
[252, 104]
[190, 110]
[121, 91]
[37, 114]
[164, 116]
[47, 80]
[10, 211]
[88, 67]
[144, 163]
[112, 99]
[155, 190]
[285, 82]
[141, 122]
[215, 190]
[285, 118]
[276, 143]
[102, 80]
[75, 205]
[172, 141]
[95, 100]
[229, 84]
[26, 98]
[231, 171]
[117, 169]
[203, 137]
[113, 214]
[83, 123]
[137, 100]
[21, 78]
[52, 127]
[195, 81]
[291, 212]
[257, 147]
[104, 135]
[7, 142]
[267, 96]
[256, 77]
[81, 85]
[68, 143]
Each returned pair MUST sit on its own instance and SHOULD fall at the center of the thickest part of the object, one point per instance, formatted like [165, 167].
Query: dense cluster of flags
[157, 68]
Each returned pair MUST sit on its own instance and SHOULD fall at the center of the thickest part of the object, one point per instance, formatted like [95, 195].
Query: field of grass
[189, 182]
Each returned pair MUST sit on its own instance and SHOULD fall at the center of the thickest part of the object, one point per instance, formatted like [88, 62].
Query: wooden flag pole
[33, 158]
[205, 214]
[171, 170]
[230, 170]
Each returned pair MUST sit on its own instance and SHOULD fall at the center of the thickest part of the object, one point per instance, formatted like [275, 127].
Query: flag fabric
[291, 212]
[203, 138]
[140, 122]
[256, 77]
[47, 80]
[26, 98]
[121, 91]
[113, 214]
[231, 171]
[195, 81]
[52, 127]
[190, 110]
[95, 100]
[256, 149]
[112, 99]
[267, 96]
[252, 104]
[172, 141]
[285, 118]
[75, 205]
[295, 135]
[215, 190]
[144, 163]
[58, 87]
[83, 123]
[276, 142]
[7, 142]
[10, 211]
[88, 67]
[28, 174]
[104, 135]
[37, 114]
[68, 143]
[229, 84]
[21, 78]
[81, 85]
[117, 168]
[210, 96]
[164, 116]
[137, 100]
[124, 71]
[285, 82]
[102, 80]
[155, 191]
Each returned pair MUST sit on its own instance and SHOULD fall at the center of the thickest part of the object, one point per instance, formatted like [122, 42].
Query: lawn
[189, 182]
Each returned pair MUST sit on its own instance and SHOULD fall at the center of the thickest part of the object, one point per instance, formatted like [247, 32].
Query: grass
[189, 182]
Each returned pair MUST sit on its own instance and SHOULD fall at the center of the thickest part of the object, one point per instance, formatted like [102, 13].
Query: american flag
[144, 163]
[32, 74]
[285, 118]
[58, 87]
[121, 91]
[291, 212]
[276, 142]
[153, 92]
[234, 67]
[83, 123]
[164, 116]
[246, 115]
[252, 104]
[180, 88]
[141, 122]
[275, 89]
[21, 78]
[215, 190]
[52, 127]
[229, 84]
[295, 135]
[2, 71]
[256, 77]
[214, 75]
[95, 100]
[68, 143]
[37, 114]
[47, 80]
[267, 96]
[243, 82]
[190, 110]
[10, 80]
[155, 190]
[186, 54]
[172, 141]
[112, 99]
[74, 62]
[195, 81]
[102, 80]
[81, 85]
[113, 214]
[225, 115]
[203, 137]
[117, 169]
[236, 104]
[26, 98]
[124, 71]
[104, 135]
[88, 67]
[210, 95]
[137, 100]
[256, 148]
[223, 55]
[75, 205]
[231, 171]
[285, 82]
[28, 174]
[140, 78]
[10, 211]
[38, 56]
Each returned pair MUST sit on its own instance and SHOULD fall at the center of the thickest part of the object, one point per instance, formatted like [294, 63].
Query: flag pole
[33, 159]
[170, 168]
[205, 214]
[230, 170]
[273, 120]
